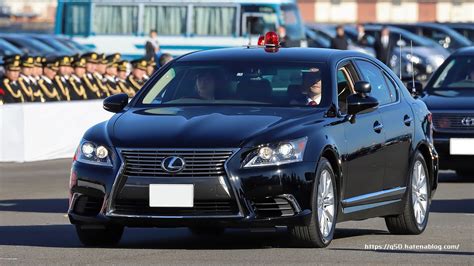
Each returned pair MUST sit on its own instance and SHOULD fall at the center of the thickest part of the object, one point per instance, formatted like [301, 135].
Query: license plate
[171, 195]
[461, 146]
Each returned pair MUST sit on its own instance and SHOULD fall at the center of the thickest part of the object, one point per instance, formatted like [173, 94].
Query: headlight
[277, 153]
[91, 153]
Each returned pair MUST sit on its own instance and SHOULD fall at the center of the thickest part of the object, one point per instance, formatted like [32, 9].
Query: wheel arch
[424, 148]
[332, 155]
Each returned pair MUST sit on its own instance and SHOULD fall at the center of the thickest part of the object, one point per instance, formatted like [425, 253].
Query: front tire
[414, 218]
[320, 231]
[108, 236]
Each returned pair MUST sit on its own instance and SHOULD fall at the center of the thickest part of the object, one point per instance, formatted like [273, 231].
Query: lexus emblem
[467, 121]
[173, 164]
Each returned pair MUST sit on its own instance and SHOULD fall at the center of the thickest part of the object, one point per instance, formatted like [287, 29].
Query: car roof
[320, 55]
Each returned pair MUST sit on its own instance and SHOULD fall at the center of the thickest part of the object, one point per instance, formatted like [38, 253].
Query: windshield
[292, 21]
[239, 83]
[457, 73]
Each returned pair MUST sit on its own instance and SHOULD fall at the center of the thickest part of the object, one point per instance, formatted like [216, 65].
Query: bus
[183, 26]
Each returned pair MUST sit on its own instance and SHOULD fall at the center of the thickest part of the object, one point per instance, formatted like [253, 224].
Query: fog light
[102, 152]
[265, 153]
[88, 149]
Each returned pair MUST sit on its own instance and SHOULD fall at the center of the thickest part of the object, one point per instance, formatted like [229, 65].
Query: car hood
[444, 100]
[224, 127]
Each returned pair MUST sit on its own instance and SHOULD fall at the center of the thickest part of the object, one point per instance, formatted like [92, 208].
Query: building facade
[351, 11]
[32, 10]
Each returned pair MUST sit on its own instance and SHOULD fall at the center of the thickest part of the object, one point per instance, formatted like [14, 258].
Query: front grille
[201, 208]
[273, 207]
[88, 206]
[451, 122]
[198, 163]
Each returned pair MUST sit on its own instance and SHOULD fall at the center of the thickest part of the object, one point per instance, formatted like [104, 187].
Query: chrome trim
[368, 206]
[110, 213]
[291, 199]
[372, 196]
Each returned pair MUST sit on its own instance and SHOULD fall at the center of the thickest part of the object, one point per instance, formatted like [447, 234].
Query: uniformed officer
[150, 69]
[78, 91]
[136, 78]
[10, 85]
[111, 75]
[61, 80]
[100, 73]
[28, 84]
[92, 88]
[46, 84]
[122, 78]
[38, 69]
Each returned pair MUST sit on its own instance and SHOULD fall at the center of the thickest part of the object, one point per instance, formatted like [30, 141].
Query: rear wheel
[414, 218]
[320, 231]
[108, 236]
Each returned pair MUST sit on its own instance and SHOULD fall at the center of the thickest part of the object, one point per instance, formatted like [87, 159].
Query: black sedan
[258, 137]
[450, 97]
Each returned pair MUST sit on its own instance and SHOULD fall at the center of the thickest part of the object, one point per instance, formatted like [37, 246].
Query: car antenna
[400, 58]
[412, 69]
[249, 33]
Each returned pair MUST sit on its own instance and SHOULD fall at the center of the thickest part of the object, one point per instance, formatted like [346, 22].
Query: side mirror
[359, 102]
[415, 88]
[116, 103]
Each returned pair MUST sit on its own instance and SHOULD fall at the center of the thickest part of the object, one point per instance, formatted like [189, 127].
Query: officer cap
[102, 59]
[12, 65]
[39, 61]
[139, 64]
[122, 65]
[10, 58]
[152, 62]
[64, 61]
[91, 57]
[79, 62]
[51, 63]
[28, 61]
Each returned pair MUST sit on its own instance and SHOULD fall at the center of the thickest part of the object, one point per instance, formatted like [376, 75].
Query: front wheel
[320, 231]
[108, 236]
[414, 218]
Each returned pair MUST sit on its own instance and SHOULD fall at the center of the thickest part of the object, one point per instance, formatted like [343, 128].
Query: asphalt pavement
[35, 230]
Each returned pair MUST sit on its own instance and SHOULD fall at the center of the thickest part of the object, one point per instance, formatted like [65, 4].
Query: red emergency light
[271, 39]
[261, 40]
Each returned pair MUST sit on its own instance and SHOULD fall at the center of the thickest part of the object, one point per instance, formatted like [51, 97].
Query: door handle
[378, 127]
[407, 120]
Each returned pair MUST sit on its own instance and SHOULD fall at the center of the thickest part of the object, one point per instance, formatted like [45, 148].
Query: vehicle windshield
[458, 73]
[239, 83]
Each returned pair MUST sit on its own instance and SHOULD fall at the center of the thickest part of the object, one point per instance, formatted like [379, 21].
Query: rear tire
[414, 218]
[324, 194]
[108, 236]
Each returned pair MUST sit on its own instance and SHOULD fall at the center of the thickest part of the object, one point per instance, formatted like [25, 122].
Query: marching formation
[66, 78]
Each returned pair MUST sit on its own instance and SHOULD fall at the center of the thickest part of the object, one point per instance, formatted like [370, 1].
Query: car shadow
[452, 206]
[35, 205]
[64, 236]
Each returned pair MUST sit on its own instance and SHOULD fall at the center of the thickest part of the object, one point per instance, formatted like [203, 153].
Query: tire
[407, 222]
[206, 230]
[311, 235]
[108, 236]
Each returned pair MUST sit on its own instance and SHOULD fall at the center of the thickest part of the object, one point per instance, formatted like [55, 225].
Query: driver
[311, 88]
[206, 85]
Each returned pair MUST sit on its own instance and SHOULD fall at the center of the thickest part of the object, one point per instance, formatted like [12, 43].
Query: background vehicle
[52, 42]
[183, 26]
[328, 31]
[427, 55]
[75, 46]
[258, 154]
[450, 97]
[442, 34]
[29, 45]
[465, 29]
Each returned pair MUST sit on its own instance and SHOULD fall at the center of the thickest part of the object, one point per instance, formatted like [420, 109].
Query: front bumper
[254, 197]
[448, 161]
